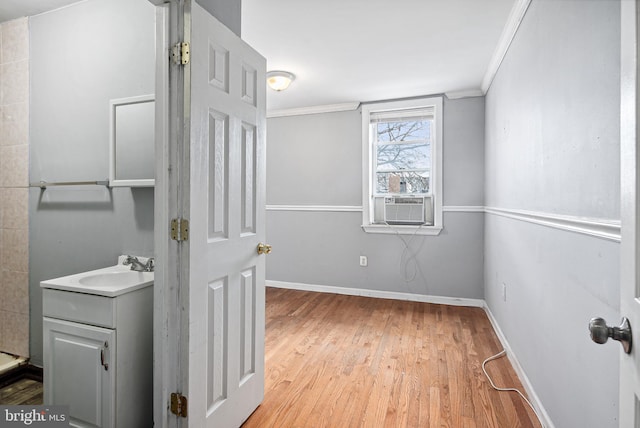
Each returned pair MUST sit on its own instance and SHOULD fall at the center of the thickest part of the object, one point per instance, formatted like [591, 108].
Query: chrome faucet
[138, 266]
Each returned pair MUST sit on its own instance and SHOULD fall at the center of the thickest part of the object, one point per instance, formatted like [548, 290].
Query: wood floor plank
[347, 361]
[24, 391]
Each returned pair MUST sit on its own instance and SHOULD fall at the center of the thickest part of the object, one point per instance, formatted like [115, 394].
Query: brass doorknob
[264, 248]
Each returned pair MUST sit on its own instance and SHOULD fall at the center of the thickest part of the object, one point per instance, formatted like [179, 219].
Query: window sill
[402, 229]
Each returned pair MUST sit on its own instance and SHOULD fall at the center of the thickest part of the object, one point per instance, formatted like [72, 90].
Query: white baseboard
[531, 393]
[453, 301]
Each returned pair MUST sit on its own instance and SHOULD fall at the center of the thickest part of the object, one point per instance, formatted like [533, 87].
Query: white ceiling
[364, 50]
[360, 50]
[12, 9]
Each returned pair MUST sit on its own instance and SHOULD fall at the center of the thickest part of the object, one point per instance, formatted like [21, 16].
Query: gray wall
[552, 146]
[317, 160]
[81, 57]
[229, 12]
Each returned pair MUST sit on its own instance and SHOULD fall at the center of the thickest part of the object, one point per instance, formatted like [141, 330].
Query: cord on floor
[493, 385]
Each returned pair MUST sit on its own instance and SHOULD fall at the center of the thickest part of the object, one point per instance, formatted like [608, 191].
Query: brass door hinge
[180, 229]
[181, 53]
[178, 404]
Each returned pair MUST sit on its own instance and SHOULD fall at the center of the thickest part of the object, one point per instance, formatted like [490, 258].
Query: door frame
[172, 130]
[629, 371]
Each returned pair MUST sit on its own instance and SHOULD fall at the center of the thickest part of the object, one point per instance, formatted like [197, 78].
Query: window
[401, 151]
[402, 147]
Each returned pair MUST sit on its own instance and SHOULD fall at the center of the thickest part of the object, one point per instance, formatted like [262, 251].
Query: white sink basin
[114, 279]
[111, 282]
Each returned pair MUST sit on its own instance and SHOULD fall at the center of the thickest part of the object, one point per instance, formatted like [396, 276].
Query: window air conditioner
[404, 210]
[384, 207]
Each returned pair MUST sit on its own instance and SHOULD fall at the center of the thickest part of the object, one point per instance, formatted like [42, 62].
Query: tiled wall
[14, 181]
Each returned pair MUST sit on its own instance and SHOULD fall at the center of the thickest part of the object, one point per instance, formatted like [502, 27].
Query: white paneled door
[227, 222]
[629, 213]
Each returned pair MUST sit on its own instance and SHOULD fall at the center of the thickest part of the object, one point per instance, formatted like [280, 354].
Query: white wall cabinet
[98, 356]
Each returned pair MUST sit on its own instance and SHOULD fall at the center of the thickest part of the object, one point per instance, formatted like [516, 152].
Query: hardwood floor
[23, 391]
[345, 361]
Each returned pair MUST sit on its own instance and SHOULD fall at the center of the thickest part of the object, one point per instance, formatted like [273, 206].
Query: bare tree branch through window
[403, 156]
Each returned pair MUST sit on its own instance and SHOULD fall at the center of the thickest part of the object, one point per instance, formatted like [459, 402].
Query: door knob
[264, 248]
[601, 332]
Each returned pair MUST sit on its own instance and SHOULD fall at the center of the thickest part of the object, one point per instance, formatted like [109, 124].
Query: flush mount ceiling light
[279, 80]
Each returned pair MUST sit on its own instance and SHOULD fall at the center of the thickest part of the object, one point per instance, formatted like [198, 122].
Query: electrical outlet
[504, 292]
[363, 261]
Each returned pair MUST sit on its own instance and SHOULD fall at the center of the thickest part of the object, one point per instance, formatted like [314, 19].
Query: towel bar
[44, 184]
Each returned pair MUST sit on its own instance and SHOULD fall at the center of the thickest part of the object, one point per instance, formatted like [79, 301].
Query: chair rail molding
[600, 228]
[316, 208]
[463, 208]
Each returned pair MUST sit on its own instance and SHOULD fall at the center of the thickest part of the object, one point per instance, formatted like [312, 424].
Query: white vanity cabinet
[98, 354]
[76, 374]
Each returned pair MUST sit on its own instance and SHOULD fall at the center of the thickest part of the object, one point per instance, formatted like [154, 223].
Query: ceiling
[346, 51]
[11, 9]
[365, 50]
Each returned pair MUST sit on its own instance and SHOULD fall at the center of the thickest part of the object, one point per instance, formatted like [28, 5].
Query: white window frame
[368, 173]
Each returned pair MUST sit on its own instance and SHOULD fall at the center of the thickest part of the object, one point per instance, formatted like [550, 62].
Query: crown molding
[465, 93]
[508, 33]
[329, 108]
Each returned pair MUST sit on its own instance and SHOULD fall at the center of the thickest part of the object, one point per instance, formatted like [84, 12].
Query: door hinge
[178, 404]
[180, 229]
[181, 53]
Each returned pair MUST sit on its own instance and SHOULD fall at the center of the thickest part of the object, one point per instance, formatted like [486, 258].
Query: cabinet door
[79, 371]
